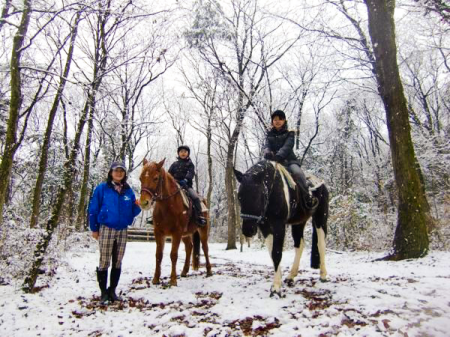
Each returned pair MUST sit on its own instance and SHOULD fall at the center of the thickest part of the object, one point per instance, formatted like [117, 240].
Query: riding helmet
[184, 147]
[279, 113]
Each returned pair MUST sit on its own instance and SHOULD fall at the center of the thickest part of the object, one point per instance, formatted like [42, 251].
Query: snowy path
[363, 298]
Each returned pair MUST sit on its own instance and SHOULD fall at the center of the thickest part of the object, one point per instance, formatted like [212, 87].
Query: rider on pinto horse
[279, 146]
[183, 170]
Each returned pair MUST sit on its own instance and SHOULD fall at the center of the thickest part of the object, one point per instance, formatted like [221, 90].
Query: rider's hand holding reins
[269, 155]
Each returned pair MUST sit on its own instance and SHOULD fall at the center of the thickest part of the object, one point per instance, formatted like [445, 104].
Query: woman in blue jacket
[112, 208]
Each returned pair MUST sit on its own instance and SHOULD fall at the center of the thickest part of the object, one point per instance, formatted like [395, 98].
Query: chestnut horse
[171, 218]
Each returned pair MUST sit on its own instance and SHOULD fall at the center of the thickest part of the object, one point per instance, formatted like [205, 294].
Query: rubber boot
[200, 219]
[113, 282]
[102, 278]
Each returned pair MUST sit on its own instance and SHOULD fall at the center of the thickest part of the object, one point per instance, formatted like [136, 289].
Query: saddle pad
[185, 198]
[285, 173]
[314, 181]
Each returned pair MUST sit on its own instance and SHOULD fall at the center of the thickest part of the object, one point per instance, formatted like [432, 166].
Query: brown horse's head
[151, 182]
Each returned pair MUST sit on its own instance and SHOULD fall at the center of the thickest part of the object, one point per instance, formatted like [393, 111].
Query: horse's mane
[164, 172]
[259, 168]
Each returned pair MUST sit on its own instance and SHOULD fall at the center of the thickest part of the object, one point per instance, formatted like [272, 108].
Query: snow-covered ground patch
[362, 298]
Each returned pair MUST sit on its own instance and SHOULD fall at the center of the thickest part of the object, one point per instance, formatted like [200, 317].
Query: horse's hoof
[289, 282]
[323, 280]
[183, 275]
[209, 274]
[173, 284]
[276, 293]
[155, 282]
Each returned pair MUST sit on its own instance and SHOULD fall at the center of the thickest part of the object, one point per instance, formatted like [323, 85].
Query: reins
[159, 196]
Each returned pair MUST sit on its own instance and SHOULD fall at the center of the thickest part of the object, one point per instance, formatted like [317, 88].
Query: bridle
[157, 195]
[259, 219]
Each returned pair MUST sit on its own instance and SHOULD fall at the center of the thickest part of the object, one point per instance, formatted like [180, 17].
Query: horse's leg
[321, 245]
[196, 251]
[275, 245]
[160, 241]
[319, 221]
[204, 240]
[176, 239]
[299, 244]
[188, 247]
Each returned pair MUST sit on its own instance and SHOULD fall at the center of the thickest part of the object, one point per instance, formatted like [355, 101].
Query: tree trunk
[210, 172]
[229, 176]
[411, 235]
[48, 132]
[41, 247]
[5, 13]
[229, 172]
[81, 212]
[14, 106]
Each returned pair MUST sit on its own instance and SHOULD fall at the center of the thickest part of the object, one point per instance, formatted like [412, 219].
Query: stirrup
[313, 202]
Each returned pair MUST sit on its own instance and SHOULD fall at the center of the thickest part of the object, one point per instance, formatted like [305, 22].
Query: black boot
[102, 278]
[200, 219]
[113, 282]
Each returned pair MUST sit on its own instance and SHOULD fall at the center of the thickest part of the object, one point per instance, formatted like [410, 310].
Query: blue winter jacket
[108, 207]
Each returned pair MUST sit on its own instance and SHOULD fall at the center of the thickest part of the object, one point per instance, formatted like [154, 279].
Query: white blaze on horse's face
[149, 182]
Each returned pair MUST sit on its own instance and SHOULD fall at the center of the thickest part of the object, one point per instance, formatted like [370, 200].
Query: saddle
[294, 193]
[187, 201]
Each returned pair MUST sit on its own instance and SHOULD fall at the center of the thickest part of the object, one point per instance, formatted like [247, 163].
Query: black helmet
[184, 147]
[279, 113]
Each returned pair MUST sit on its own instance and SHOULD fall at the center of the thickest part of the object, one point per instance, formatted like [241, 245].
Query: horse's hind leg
[204, 240]
[176, 239]
[160, 241]
[321, 246]
[188, 247]
[299, 244]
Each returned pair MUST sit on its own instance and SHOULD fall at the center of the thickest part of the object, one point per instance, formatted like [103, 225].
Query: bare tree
[14, 105]
[411, 235]
[237, 45]
[51, 118]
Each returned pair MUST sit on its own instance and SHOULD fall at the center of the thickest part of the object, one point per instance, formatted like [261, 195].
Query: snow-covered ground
[362, 298]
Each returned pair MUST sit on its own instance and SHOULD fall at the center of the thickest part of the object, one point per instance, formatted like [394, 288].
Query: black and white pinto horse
[268, 203]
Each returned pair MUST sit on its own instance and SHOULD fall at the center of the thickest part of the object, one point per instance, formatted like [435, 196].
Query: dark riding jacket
[183, 169]
[281, 143]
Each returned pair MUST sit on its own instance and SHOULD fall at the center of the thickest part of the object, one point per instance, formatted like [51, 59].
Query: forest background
[85, 83]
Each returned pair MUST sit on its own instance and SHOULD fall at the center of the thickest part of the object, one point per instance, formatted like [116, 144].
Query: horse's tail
[196, 251]
[319, 220]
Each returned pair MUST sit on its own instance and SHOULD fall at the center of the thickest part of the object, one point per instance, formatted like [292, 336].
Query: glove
[183, 183]
[268, 155]
[278, 159]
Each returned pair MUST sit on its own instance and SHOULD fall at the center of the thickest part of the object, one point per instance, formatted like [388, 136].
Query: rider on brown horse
[183, 170]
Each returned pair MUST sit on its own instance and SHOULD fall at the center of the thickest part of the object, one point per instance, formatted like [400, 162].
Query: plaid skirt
[112, 246]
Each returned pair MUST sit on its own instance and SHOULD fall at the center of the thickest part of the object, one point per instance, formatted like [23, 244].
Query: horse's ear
[160, 164]
[145, 162]
[239, 175]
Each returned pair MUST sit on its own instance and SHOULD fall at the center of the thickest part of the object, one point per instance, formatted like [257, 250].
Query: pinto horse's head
[151, 178]
[252, 195]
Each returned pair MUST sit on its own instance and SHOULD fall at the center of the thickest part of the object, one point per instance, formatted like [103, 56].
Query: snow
[362, 297]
